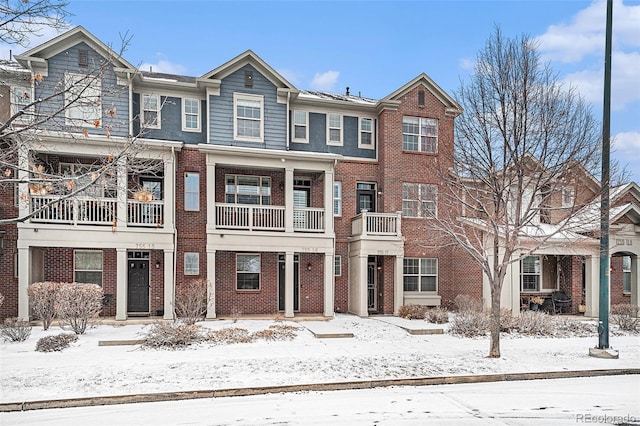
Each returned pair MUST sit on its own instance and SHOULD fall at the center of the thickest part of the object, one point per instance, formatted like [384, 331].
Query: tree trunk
[494, 326]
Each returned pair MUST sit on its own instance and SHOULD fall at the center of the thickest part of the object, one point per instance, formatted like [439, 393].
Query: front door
[138, 283]
[366, 196]
[372, 284]
[301, 198]
[296, 282]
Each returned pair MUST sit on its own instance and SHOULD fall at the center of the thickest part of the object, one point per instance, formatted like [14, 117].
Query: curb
[369, 384]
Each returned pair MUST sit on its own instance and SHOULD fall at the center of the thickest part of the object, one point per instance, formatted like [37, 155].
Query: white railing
[308, 219]
[237, 216]
[76, 211]
[367, 223]
[145, 213]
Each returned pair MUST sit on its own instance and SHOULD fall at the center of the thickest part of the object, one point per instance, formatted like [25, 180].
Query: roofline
[432, 87]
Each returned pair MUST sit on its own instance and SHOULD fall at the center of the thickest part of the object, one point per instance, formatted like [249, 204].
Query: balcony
[94, 211]
[376, 224]
[267, 218]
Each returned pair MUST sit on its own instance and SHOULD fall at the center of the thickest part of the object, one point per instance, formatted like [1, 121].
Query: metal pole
[603, 312]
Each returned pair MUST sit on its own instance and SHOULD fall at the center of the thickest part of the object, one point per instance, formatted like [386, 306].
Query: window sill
[239, 290]
[420, 152]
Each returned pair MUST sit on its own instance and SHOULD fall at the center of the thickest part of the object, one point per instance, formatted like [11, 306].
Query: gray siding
[113, 95]
[221, 110]
[170, 121]
[318, 138]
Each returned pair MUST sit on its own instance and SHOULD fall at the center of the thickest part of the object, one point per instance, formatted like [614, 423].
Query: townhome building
[277, 199]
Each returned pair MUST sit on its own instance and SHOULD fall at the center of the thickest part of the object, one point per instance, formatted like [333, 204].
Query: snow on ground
[378, 350]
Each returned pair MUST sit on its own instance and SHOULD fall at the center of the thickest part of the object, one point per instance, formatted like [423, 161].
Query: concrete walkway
[326, 329]
[417, 327]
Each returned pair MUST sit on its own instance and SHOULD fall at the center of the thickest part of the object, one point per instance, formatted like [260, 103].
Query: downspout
[131, 104]
[175, 236]
[288, 112]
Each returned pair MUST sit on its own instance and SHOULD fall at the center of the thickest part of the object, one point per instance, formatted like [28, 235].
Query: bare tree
[525, 145]
[20, 20]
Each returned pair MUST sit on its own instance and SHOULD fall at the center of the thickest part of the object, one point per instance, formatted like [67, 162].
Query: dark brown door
[296, 282]
[366, 195]
[138, 293]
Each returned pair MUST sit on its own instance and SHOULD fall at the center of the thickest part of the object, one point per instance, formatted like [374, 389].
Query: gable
[452, 107]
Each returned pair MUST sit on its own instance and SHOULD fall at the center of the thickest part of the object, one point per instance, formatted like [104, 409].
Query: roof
[431, 86]
[309, 94]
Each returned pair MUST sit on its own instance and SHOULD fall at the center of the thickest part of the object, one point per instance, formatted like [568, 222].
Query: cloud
[325, 80]
[163, 65]
[40, 35]
[292, 76]
[466, 63]
[625, 148]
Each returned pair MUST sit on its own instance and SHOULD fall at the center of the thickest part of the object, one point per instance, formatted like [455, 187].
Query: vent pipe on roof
[347, 91]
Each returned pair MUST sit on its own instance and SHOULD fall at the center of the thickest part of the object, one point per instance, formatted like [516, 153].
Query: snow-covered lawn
[378, 350]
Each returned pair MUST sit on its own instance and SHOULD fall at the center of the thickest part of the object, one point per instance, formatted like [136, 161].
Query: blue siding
[318, 138]
[170, 121]
[221, 110]
[113, 95]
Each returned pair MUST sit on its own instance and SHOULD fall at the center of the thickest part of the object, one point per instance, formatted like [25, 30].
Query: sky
[375, 47]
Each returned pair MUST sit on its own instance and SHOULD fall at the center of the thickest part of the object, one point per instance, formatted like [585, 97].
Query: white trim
[339, 197]
[372, 145]
[306, 127]
[329, 128]
[89, 270]
[198, 115]
[86, 104]
[197, 209]
[158, 112]
[421, 274]
[195, 271]
[539, 274]
[337, 264]
[420, 135]
[421, 199]
[259, 272]
[251, 98]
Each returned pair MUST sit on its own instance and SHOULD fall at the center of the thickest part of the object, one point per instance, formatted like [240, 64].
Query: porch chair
[560, 300]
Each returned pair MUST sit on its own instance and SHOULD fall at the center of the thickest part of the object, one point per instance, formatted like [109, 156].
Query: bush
[15, 330]
[507, 321]
[78, 304]
[172, 335]
[469, 324]
[229, 335]
[277, 332]
[191, 301]
[42, 301]
[412, 311]
[437, 315]
[564, 327]
[625, 316]
[55, 343]
[466, 303]
[535, 323]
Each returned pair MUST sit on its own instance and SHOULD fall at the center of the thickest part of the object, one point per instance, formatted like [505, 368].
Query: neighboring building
[284, 200]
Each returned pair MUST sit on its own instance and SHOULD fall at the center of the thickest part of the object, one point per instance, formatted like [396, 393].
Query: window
[420, 97]
[248, 190]
[568, 196]
[530, 273]
[190, 115]
[337, 198]
[334, 129]
[191, 263]
[82, 100]
[20, 98]
[150, 113]
[248, 272]
[87, 266]
[419, 200]
[192, 191]
[626, 274]
[419, 134]
[420, 274]
[337, 265]
[366, 133]
[300, 128]
[248, 123]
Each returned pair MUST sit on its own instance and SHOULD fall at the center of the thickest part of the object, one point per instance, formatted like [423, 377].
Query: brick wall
[617, 296]
[8, 280]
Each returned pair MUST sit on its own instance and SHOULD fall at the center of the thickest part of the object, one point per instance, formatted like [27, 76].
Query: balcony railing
[75, 211]
[267, 218]
[145, 213]
[383, 224]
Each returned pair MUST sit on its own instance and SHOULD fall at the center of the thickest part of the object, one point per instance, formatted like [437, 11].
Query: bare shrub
[229, 335]
[15, 330]
[625, 316]
[507, 321]
[42, 301]
[55, 343]
[469, 324]
[78, 304]
[1, 299]
[565, 327]
[277, 332]
[437, 315]
[535, 323]
[466, 303]
[172, 335]
[412, 311]
[191, 301]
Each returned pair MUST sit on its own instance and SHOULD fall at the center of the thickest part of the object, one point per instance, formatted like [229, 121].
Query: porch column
[329, 281]
[635, 273]
[361, 303]
[121, 284]
[24, 206]
[398, 284]
[169, 285]
[288, 284]
[328, 202]
[510, 296]
[121, 182]
[211, 197]
[288, 201]
[24, 279]
[169, 189]
[211, 283]
[592, 285]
